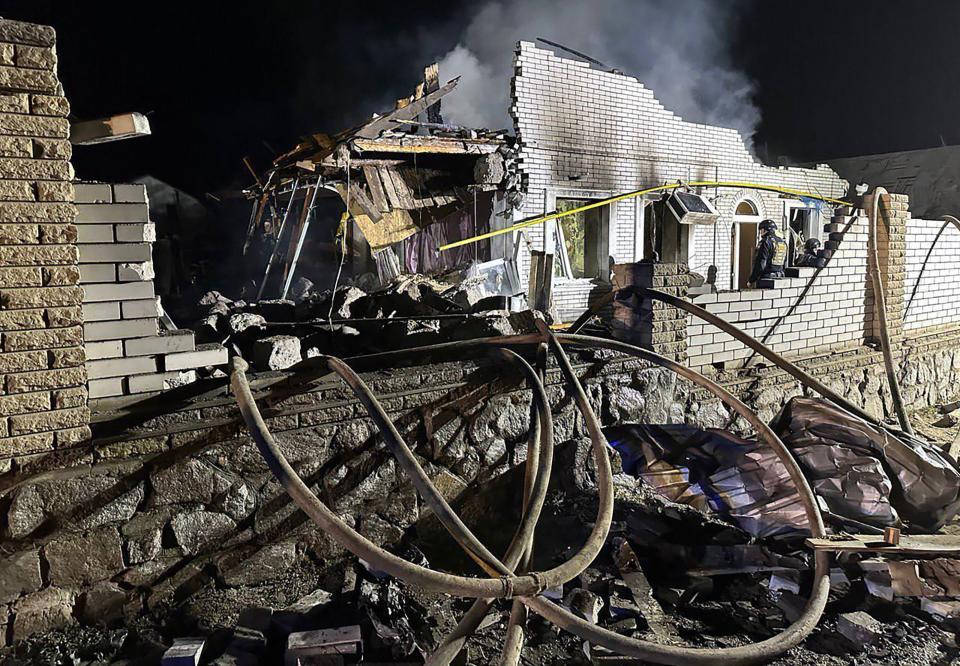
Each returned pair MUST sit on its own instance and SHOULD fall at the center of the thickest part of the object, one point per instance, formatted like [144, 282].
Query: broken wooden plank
[429, 145]
[374, 128]
[910, 544]
[376, 188]
[359, 197]
[632, 574]
[391, 191]
[431, 82]
[114, 128]
[400, 186]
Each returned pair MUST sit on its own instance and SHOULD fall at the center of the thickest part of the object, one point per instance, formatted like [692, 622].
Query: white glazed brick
[583, 129]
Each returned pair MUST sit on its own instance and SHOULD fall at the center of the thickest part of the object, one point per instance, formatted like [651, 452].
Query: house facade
[586, 134]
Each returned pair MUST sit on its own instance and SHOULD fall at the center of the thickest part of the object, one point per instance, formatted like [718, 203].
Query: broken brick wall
[43, 399]
[830, 317]
[127, 355]
[587, 133]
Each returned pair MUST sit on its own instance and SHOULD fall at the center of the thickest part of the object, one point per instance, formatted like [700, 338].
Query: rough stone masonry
[43, 399]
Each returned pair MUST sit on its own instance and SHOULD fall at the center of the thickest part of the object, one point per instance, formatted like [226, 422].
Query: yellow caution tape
[637, 193]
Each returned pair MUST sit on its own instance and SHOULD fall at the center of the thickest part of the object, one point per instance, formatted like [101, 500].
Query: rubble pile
[413, 310]
[668, 573]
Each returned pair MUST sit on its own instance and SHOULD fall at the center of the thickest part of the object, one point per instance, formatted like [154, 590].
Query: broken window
[581, 237]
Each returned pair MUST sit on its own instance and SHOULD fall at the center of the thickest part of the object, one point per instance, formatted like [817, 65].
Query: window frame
[607, 216]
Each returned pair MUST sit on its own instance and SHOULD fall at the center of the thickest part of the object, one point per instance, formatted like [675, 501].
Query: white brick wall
[582, 128]
[937, 301]
[832, 313]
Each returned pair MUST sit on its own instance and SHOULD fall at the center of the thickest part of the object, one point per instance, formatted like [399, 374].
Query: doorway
[744, 250]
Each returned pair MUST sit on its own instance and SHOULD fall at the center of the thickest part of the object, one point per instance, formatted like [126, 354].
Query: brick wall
[127, 354]
[937, 300]
[585, 130]
[832, 314]
[43, 400]
[891, 257]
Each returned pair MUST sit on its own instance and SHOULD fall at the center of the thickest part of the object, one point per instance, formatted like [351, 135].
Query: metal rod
[276, 246]
[303, 237]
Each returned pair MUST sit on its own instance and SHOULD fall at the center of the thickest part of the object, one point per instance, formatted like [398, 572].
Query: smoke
[680, 49]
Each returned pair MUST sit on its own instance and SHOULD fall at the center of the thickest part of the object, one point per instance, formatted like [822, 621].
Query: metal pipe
[303, 237]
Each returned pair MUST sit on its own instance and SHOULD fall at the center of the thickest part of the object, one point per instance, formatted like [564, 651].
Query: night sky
[228, 79]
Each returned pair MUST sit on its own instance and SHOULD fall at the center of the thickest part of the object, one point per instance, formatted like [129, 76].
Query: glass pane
[574, 234]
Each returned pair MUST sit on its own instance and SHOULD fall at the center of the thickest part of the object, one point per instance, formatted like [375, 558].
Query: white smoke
[677, 48]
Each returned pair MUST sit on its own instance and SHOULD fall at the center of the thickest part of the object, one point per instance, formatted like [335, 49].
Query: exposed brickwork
[651, 324]
[937, 299]
[891, 256]
[831, 315]
[126, 354]
[587, 133]
[41, 342]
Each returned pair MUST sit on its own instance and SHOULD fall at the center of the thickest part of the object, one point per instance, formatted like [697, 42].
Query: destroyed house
[140, 494]
[585, 134]
[408, 186]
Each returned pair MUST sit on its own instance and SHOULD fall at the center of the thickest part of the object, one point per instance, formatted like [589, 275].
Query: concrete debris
[184, 652]
[278, 352]
[412, 310]
[859, 627]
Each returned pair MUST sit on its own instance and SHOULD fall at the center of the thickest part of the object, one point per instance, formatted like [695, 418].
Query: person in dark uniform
[771, 254]
[811, 255]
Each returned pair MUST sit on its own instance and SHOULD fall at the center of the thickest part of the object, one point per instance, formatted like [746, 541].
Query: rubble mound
[413, 310]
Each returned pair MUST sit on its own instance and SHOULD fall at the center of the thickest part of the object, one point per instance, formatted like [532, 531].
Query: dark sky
[221, 79]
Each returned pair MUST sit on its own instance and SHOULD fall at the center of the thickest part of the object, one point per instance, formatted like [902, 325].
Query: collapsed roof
[397, 174]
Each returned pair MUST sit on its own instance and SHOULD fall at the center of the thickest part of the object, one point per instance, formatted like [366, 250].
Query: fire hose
[880, 307]
[525, 587]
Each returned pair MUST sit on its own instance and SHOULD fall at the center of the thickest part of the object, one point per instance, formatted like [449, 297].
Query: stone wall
[43, 399]
[172, 510]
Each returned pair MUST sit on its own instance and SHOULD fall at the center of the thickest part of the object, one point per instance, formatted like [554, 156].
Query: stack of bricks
[126, 352]
[43, 402]
[891, 240]
[651, 324]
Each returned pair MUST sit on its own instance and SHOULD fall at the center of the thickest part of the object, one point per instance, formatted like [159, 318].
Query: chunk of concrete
[859, 627]
[241, 321]
[277, 352]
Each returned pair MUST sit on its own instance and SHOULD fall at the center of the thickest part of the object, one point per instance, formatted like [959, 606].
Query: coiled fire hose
[526, 587]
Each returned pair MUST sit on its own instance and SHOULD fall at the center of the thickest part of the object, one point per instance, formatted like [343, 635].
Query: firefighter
[811, 256]
[771, 254]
